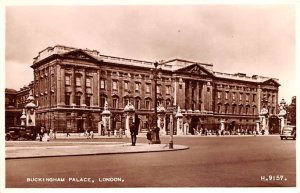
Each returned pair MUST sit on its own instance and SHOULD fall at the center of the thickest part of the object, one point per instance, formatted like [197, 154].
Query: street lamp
[155, 130]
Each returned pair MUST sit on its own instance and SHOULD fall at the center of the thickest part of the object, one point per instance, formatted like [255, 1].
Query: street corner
[159, 147]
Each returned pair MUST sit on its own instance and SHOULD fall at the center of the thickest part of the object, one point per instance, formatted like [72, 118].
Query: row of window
[240, 110]
[115, 85]
[234, 87]
[88, 81]
[234, 96]
[237, 110]
[137, 88]
[115, 102]
[269, 97]
[77, 100]
[44, 72]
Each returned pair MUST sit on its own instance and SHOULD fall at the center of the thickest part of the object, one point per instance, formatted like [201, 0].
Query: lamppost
[155, 130]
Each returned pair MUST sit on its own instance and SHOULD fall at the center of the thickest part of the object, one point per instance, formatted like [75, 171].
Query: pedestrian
[120, 132]
[133, 133]
[54, 131]
[51, 134]
[92, 134]
[68, 132]
[149, 137]
[41, 133]
[88, 134]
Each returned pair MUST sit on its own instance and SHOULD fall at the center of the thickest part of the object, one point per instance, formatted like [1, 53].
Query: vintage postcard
[150, 96]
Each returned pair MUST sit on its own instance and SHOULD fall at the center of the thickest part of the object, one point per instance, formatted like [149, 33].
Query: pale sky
[252, 39]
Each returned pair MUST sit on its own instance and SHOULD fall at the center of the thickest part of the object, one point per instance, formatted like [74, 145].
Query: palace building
[71, 86]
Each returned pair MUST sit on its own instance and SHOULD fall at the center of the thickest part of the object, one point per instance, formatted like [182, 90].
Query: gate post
[30, 111]
[179, 124]
[106, 118]
[161, 122]
[282, 114]
[129, 112]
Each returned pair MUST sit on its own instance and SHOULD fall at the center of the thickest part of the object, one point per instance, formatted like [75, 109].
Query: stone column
[209, 96]
[205, 97]
[202, 97]
[23, 118]
[99, 127]
[185, 129]
[197, 96]
[179, 123]
[62, 90]
[190, 96]
[83, 84]
[73, 122]
[58, 84]
[73, 86]
[257, 126]
[259, 93]
[264, 125]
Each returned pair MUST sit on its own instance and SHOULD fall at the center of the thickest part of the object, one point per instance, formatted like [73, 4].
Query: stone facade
[71, 86]
[15, 101]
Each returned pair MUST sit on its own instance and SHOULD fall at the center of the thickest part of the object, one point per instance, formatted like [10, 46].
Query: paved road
[210, 162]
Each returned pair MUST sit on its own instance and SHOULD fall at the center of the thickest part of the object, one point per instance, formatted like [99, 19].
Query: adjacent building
[71, 86]
[14, 104]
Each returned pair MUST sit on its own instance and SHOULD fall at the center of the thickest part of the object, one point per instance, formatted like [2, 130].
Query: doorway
[80, 126]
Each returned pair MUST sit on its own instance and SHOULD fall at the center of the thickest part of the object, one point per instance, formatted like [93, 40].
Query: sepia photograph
[150, 96]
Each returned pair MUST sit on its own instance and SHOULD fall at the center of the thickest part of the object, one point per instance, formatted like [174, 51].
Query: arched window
[241, 109]
[247, 110]
[148, 103]
[254, 112]
[226, 108]
[137, 103]
[103, 98]
[115, 103]
[219, 108]
[233, 109]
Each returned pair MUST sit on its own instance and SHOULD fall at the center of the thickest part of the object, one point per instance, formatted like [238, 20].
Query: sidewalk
[87, 148]
[97, 136]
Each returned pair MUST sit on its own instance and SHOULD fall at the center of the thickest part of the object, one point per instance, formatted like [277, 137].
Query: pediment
[79, 54]
[271, 82]
[195, 69]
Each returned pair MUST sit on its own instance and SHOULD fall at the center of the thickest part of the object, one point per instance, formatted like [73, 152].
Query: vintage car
[288, 131]
[21, 133]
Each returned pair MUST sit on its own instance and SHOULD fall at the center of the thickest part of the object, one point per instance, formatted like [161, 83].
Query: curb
[182, 147]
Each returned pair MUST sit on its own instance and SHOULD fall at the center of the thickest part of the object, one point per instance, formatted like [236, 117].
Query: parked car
[288, 131]
[21, 133]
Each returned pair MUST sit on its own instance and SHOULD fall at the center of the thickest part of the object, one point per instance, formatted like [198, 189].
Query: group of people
[88, 134]
[45, 135]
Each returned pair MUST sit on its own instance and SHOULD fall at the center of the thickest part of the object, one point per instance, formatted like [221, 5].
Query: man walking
[133, 133]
